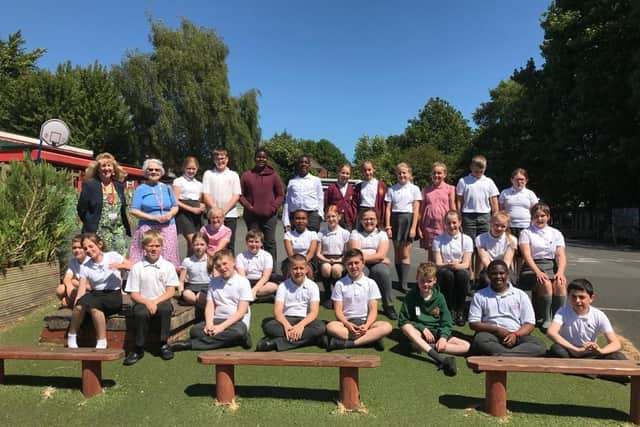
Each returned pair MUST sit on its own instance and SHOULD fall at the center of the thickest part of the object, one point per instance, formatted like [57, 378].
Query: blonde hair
[439, 165]
[151, 236]
[188, 160]
[427, 270]
[406, 166]
[92, 169]
[479, 160]
[506, 218]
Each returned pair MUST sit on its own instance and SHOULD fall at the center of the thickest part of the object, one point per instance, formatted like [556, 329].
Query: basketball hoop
[54, 132]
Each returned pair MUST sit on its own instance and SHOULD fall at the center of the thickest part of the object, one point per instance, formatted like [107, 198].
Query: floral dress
[110, 228]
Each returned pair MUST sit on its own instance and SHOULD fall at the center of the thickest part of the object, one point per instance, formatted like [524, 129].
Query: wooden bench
[348, 364]
[91, 359]
[496, 369]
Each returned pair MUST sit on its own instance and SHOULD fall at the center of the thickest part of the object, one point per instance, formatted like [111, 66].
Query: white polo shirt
[221, 185]
[254, 264]
[303, 193]
[368, 193]
[74, 267]
[99, 275]
[355, 295]
[297, 299]
[542, 241]
[227, 294]
[452, 248]
[476, 193]
[369, 242]
[190, 188]
[496, 247]
[509, 310]
[518, 205]
[301, 241]
[579, 330]
[196, 270]
[152, 280]
[333, 241]
[402, 197]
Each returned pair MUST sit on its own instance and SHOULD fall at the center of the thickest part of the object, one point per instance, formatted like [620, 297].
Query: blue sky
[326, 69]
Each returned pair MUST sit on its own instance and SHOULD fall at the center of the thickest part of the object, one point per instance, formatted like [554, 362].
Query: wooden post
[495, 400]
[1, 371]
[349, 391]
[634, 409]
[225, 389]
[91, 376]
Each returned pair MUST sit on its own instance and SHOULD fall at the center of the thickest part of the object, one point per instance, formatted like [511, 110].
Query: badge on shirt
[418, 312]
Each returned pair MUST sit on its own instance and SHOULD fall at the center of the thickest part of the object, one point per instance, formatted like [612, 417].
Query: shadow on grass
[57, 382]
[455, 401]
[298, 393]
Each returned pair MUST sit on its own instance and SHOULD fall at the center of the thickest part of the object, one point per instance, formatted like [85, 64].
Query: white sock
[71, 341]
[101, 343]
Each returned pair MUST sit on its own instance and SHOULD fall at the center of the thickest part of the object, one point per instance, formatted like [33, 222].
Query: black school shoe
[448, 366]
[166, 353]
[246, 342]
[132, 358]
[460, 319]
[266, 344]
[180, 346]
[379, 345]
[390, 312]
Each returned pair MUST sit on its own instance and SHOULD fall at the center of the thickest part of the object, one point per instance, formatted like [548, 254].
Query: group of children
[456, 225]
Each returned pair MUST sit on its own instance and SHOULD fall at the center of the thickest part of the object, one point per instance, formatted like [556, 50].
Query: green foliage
[180, 99]
[38, 205]
[377, 150]
[14, 60]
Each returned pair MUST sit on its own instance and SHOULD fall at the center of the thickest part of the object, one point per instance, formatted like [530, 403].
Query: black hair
[580, 285]
[497, 262]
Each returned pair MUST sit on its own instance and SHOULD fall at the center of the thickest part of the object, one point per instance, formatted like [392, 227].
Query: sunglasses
[154, 170]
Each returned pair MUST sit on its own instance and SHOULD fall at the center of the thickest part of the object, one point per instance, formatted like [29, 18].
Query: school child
[256, 265]
[219, 234]
[401, 218]
[227, 313]
[476, 198]
[374, 245]
[300, 240]
[437, 199]
[333, 240]
[576, 326]
[68, 289]
[304, 192]
[497, 243]
[152, 284]
[188, 193]
[295, 311]
[545, 262]
[370, 192]
[341, 195]
[355, 301]
[426, 321]
[452, 252]
[517, 201]
[194, 277]
[99, 289]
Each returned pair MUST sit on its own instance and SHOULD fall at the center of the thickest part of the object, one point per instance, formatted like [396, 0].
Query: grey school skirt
[400, 226]
[528, 277]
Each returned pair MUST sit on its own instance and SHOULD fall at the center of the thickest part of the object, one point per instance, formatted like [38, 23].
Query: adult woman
[155, 205]
[374, 244]
[102, 206]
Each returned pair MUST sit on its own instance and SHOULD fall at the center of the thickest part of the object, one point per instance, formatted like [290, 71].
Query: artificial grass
[406, 389]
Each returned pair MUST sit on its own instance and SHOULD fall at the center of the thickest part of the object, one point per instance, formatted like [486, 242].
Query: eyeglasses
[154, 170]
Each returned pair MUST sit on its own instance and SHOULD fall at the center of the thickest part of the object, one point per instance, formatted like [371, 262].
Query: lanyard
[158, 198]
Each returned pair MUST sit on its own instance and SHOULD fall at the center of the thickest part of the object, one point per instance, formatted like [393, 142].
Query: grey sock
[399, 272]
[404, 268]
[557, 301]
[436, 356]
[546, 309]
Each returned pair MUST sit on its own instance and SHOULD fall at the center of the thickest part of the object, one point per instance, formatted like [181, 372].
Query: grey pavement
[614, 272]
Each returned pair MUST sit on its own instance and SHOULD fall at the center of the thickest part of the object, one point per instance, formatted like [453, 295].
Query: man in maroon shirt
[262, 195]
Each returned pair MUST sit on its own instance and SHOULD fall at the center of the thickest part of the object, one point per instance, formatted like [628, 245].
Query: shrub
[37, 203]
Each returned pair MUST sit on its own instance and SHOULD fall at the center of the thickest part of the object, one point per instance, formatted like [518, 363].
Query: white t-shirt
[542, 241]
[227, 294]
[190, 188]
[369, 242]
[74, 267]
[196, 270]
[355, 295]
[99, 275]
[518, 205]
[333, 241]
[152, 280]
[452, 248]
[476, 193]
[303, 193]
[510, 309]
[368, 193]
[254, 264]
[496, 247]
[297, 299]
[402, 197]
[222, 185]
[579, 330]
[301, 241]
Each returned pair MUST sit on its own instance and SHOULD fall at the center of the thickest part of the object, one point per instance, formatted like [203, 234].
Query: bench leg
[349, 391]
[495, 400]
[225, 389]
[91, 376]
[1, 371]
[634, 410]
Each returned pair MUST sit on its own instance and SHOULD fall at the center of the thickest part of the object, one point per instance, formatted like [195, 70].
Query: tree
[14, 60]
[180, 99]
[377, 150]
